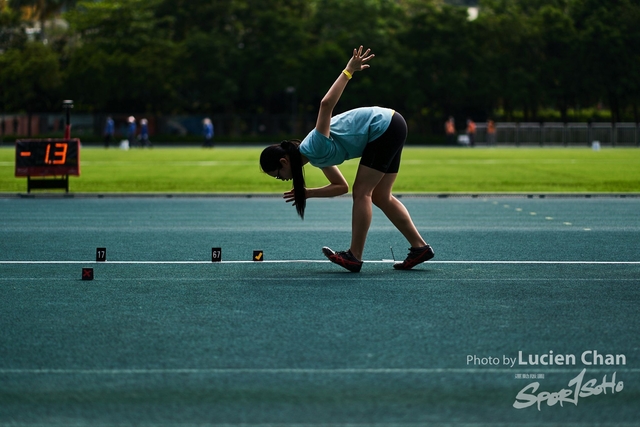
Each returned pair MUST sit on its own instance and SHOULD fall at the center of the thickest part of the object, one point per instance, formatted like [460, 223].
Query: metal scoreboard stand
[41, 158]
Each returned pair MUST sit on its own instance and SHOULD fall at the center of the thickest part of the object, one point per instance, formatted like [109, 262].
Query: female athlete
[374, 134]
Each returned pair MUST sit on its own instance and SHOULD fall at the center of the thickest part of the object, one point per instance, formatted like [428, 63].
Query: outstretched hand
[290, 196]
[358, 61]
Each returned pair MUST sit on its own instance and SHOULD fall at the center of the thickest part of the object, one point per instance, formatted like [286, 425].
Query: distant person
[374, 134]
[207, 130]
[144, 133]
[471, 132]
[109, 130]
[131, 131]
[491, 132]
[450, 131]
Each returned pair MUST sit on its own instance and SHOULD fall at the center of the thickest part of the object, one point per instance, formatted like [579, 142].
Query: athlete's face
[284, 172]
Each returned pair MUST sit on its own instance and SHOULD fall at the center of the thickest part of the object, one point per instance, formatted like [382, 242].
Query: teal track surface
[163, 336]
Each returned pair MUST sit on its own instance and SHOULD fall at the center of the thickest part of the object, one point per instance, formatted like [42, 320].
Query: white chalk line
[319, 424]
[307, 371]
[311, 261]
[324, 279]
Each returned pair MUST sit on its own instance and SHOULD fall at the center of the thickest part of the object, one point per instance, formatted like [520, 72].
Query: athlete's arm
[336, 187]
[356, 63]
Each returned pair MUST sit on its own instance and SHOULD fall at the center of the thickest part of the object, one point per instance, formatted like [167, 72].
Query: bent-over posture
[376, 135]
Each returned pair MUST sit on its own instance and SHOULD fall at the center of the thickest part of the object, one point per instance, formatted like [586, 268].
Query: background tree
[41, 10]
[12, 32]
[608, 42]
[518, 58]
[441, 54]
[558, 38]
[337, 27]
[123, 58]
[205, 36]
[30, 78]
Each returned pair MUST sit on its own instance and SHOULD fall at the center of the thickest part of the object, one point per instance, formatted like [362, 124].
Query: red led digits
[59, 154]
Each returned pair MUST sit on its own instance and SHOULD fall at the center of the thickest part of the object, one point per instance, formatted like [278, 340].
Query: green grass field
[236, 170]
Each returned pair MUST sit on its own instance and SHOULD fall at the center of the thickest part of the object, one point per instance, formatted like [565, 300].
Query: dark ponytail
[270, 161]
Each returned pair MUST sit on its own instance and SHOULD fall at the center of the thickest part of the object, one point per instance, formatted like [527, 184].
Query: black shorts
[383, 153]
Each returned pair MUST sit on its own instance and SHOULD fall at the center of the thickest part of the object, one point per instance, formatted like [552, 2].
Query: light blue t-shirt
[350, 132]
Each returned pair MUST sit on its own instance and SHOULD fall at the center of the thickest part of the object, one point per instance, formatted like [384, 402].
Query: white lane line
[313, 261]
[289, 371]
[307, 279]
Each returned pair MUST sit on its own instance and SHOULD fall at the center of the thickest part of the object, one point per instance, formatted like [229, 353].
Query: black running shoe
[344, 259]
[415, 257]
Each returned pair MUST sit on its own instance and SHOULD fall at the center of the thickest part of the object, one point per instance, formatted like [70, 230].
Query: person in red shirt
[471, 132]
[450, 131]
[491, 132]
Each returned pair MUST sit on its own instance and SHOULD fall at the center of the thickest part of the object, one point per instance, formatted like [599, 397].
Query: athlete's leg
[363, 187]
[395, 210]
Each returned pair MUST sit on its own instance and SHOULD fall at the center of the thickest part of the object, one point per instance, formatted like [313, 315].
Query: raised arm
[358, 62]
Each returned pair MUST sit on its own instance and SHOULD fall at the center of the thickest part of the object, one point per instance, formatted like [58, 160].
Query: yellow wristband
[348, 74]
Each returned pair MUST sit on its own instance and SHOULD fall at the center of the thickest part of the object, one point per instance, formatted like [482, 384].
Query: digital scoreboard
[47, 157]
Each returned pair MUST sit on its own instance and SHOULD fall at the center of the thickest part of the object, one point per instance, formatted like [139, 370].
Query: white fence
[560, 134]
